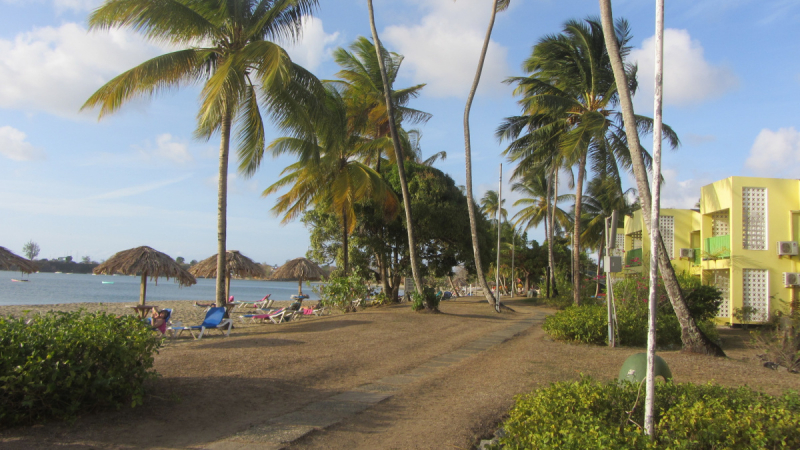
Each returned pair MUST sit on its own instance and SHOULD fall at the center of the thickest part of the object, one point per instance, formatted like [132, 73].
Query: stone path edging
[283, 430]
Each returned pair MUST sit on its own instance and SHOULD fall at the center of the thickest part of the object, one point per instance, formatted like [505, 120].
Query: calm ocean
[50, 288]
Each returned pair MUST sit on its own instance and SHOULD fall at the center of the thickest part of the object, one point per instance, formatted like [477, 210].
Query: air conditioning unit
[687, 253]
[788, 248]
[791, 279]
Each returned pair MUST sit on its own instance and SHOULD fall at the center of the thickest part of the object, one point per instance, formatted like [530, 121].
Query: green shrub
[591, 415]
[62, 364]
[428, 297]
[341, 291]
[587, 324]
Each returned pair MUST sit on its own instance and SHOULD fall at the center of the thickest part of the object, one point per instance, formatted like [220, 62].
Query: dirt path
[214, 389]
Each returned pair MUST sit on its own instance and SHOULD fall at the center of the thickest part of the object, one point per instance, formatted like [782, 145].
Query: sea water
[51, 288]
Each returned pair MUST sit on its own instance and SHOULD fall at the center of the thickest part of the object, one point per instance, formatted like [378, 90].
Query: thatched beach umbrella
[300, 269]
[9, 261]
[147, 262]
[236, 264]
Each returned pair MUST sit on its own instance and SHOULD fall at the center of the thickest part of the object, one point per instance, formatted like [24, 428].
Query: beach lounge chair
[263, 304]
[215, 319]
[273, 316]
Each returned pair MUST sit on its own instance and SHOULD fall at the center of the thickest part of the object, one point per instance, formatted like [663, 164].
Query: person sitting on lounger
[159, 322]
[211, 304]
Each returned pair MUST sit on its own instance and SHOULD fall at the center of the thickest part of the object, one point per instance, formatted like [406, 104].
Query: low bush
[428, 299]
[340, 292]
[591, 415]
[586, 324]
[62, 364]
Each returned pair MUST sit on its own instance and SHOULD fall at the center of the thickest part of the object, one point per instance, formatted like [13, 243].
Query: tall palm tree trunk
[345, 245]
[576, 234]
[468, 158]
[222, 205]
[693, 339]
[549, 244]
[401, 171]
[551, 236]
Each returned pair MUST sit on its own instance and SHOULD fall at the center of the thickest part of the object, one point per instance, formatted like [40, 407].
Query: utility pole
[655, 232]
[498, 215]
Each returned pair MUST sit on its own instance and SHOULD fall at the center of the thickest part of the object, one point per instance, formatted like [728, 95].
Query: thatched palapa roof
[147, 262]
[298, 269]
[10, 261]
[237, 264]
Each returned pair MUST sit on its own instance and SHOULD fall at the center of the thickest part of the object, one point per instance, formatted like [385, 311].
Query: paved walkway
[281, 431]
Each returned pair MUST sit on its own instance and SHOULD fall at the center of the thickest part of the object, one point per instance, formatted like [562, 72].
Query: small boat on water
[107, 282]
[20, 281]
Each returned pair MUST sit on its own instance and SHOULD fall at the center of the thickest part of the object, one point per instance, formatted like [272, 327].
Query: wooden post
[143, 289]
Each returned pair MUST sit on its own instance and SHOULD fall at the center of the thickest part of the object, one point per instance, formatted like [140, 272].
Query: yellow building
[743, 240]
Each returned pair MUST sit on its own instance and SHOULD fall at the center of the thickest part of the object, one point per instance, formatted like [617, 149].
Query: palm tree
[603, 196]
[537, 203]
[361, 84]
[569, 96]
[694, 340]
[387, 92]
[227, 49]
[497, 6]
[491, 205]
[328, 173]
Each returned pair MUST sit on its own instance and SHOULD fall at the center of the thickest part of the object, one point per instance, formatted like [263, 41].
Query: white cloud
[679, 194]
[136, 190]
[167, 147]
[56, 69]
[443, 49]
[775, 153]
[315, 46]
[14, 146]
[688, 77]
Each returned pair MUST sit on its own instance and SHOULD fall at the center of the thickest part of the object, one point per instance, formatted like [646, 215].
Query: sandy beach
[183, 311]
[452, 389]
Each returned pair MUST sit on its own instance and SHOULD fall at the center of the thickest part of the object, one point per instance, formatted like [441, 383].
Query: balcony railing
[717, 247]
[633, 258]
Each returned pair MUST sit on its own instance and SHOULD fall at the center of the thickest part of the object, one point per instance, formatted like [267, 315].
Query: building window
[619, 246]
[722, 280]
[754, 218]
[719, 224]
[666, 224]
[755, 293]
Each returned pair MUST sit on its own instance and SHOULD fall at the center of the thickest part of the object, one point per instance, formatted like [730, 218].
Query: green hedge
[588, 323]
[590, 415]
[61, 364]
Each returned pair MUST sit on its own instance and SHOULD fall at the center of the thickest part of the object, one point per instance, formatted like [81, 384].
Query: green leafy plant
[427, 300]
[61, 364]
[744, 315]
[341, 292]
[591, 415]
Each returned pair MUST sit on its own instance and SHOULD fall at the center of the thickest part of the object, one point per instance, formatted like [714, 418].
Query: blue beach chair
[215, 319]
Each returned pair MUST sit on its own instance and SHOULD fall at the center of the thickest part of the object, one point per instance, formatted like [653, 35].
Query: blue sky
[81, 187]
